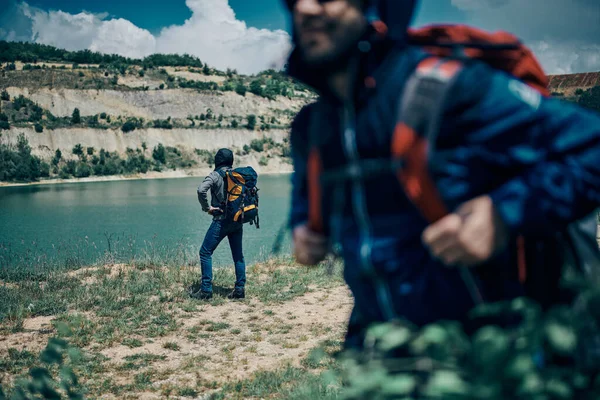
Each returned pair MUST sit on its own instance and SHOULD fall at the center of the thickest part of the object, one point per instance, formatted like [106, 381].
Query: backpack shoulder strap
[420, 112]
[314, 170]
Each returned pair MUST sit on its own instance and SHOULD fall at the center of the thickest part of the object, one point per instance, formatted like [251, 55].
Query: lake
[80, 222]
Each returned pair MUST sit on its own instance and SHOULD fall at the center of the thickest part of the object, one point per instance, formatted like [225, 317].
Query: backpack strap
[420, 113]
[314, 170]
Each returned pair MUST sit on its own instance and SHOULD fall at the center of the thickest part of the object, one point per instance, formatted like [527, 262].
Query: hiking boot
[237, 294]
[201, 295]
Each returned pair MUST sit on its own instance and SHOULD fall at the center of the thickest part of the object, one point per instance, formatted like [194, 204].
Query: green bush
[57, 157]
[591, 99]
[4, 124]
[251, 122]
[128, 126]
[162, 124]
[90, 151]
[241, 89]
[18, 164]
[77, 150]
[159, 154]
[549, 354]
[82, 170]
[103, 115]
[256, 88]
[207, 156]
[39, 128]
[76, 117]
[264, 161]
[4, 96]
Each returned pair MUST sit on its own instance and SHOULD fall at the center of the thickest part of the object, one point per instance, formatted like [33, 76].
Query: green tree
[206, 70]
[57, 157]
[159, 153]
[256, 88]
[77, 150]
[591, 99]
[82, 170]
[128, 126]
[76, 117]
[39, 128]
[4, 96]
[251, 122]
[4, 125]
[90, 151]
[234, 124]
[103, 115]
[241, 89]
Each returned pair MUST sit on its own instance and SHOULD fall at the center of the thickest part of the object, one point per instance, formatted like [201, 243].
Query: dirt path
[216, 343]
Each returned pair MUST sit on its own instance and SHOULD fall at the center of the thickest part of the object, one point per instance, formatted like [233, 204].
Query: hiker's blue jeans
[218, 231]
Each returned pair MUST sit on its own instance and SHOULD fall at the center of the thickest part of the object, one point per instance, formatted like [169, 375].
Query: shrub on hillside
[241, 89]
[251, 122]
[128, 127]
[159, 154]
[18, 164]
[76, 117]
[591, 98]
[39, 128]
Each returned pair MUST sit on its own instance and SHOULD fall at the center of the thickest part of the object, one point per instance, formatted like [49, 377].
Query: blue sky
[156, 14]
[270, 14]
[250, 35]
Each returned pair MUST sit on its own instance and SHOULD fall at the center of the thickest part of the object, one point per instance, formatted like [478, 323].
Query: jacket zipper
[359, 206]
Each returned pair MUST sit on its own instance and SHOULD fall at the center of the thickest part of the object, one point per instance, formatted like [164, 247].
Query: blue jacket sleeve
[299, 144]
[542, 154]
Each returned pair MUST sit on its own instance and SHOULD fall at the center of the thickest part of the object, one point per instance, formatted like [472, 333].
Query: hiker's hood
[224, 158]
[395, 14]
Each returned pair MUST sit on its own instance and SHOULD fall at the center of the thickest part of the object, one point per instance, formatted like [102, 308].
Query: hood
[395, 14]
[224, 158]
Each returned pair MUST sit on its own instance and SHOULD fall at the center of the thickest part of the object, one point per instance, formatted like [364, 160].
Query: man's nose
[308, 7]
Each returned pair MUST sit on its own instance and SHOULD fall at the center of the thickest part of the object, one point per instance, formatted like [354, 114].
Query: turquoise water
[83, 221]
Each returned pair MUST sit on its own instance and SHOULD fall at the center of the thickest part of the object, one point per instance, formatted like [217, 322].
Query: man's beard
[330, 63]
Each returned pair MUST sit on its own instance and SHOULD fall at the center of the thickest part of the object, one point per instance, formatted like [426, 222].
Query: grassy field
[141, 336]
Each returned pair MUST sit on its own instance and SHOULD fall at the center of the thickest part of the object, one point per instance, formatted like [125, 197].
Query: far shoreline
[177, 174]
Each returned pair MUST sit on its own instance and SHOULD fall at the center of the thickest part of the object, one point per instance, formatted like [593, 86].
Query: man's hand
[470, 236]
[310, 248]
[212, 210]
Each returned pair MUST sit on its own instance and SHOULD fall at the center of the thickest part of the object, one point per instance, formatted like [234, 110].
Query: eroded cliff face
[46, 143]
[159, 104]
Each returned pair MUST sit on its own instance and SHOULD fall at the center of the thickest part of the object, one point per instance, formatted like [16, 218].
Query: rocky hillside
[121, 106]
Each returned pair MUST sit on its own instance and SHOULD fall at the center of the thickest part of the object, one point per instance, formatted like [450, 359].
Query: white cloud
[212, 33]
[567, 58]
[565, 34]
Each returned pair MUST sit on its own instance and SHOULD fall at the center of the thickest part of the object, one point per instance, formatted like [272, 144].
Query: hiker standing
[428, 229]
[219, 229]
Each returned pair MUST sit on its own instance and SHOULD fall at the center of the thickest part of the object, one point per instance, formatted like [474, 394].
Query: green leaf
[519, 366]
[51, 356]
[445, 383]
[394, 339]
[490, 347]
[558, 389]
[399, 385]
[561, 338]
[532, 384]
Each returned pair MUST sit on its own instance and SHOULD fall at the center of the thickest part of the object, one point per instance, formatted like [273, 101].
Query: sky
[253, 35]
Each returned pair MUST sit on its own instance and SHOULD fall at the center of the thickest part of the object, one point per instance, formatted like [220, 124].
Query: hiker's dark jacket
[538, 158]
